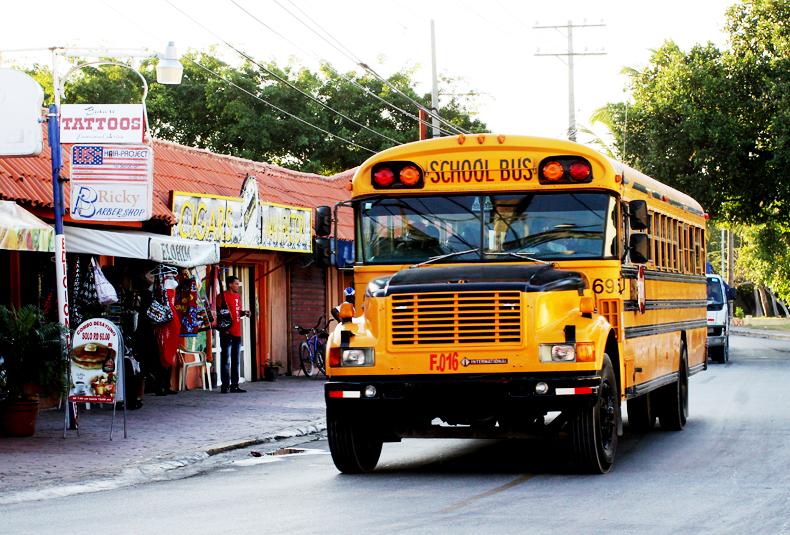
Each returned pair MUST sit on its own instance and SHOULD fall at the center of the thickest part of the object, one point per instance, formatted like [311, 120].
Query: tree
[215, 107]
[716, 124]
[713, 123]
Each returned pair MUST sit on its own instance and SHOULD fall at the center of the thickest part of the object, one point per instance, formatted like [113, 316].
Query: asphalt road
[727, 472]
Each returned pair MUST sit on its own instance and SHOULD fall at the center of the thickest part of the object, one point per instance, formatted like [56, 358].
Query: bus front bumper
[403, 401]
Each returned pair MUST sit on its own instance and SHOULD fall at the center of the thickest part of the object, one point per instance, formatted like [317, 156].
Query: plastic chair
[191, 359]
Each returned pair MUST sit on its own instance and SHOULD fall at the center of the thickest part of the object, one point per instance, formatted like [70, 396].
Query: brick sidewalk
[165, 428]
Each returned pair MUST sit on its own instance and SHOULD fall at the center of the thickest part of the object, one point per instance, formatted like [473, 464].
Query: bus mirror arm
[638, 247]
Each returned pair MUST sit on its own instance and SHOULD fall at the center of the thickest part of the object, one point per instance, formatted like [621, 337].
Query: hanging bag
[224, 319]
[104, 290]
[158, 312]
[204, 316]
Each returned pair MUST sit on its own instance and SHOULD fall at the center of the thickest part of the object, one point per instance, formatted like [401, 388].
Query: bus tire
[354, 449]
[593, 429]
[717, 354]
[674, 404]
[641, 417]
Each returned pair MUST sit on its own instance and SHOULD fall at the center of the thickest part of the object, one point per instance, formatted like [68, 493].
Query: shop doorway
[248, 369]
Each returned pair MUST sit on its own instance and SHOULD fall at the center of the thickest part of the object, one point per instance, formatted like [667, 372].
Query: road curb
[159, 468]
[291, 432]
[753, 333]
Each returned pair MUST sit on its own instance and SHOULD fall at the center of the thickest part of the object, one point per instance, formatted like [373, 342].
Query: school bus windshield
[472, 228]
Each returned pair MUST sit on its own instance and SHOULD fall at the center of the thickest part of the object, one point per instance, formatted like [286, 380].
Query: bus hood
[525, 278]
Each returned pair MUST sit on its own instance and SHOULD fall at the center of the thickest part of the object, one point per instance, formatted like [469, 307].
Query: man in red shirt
[230, 340]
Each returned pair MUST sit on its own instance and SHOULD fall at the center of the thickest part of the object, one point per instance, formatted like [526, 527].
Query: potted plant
[32, 365]
[271, 370]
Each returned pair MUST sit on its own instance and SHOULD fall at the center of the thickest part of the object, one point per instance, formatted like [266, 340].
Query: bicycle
[311, 351]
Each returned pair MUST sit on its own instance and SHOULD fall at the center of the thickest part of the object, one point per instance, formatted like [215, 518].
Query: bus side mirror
[323, 221]
[637, 215]
[732, 294]
[322, 252]
[638, 247]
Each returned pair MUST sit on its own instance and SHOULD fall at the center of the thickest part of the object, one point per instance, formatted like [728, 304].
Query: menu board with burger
[95, 362]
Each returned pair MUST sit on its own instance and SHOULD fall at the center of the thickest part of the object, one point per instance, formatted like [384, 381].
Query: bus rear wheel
[641, 417]
[717, 354]
[593, 429]
[354, 449]
[674, 398]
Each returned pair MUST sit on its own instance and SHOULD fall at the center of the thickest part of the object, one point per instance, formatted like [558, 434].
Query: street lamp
[169, 71]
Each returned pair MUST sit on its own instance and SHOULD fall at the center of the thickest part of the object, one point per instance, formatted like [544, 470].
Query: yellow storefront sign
[221, 219]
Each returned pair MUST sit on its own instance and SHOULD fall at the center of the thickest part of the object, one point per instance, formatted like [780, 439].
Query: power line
[362, 64]
[570, 55]
[329, 66]
[278, 77]
[233, 84]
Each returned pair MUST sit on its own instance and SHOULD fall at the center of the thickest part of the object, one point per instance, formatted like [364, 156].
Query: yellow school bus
[514, 286]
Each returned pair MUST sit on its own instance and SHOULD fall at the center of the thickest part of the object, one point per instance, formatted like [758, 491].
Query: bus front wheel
[593, 429]
[354, 448]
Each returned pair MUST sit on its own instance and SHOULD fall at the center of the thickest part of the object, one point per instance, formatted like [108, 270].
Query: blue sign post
[61, 279]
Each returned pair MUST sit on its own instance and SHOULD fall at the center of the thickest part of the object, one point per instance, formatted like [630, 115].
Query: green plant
[30, 348]
[739, 312]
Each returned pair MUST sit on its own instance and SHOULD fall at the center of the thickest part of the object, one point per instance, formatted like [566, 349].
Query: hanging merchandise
[159, 312]
[87, 295]
[105, 291]
[186, 304]
[76, 308]
[168, 334]
[204, 315]
[224, 319]
[87, 299]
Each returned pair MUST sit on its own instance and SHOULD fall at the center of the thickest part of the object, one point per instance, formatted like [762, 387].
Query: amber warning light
[397, 175]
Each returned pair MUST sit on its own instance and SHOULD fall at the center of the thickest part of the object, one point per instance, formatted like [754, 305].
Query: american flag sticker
[114, 164]
[111, 182]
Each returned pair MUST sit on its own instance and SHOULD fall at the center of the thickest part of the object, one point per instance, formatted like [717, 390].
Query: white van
[718, 319]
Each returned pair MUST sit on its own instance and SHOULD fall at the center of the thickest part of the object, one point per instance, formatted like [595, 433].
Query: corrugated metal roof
[181, 168]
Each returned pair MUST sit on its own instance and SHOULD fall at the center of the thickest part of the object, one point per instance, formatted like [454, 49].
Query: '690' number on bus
[609, 286]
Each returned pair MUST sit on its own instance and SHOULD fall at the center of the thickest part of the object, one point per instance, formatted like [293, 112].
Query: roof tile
[180, 168]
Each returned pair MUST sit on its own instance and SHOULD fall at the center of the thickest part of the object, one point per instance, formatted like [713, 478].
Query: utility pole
[730, 258]
[436, 131]
[570, 55]
[723, 247]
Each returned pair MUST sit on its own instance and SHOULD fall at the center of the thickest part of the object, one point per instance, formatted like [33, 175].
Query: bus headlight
[362, 356]
[557, 353]
[578, 352]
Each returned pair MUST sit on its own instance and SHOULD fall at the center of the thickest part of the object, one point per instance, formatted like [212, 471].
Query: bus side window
[626, 230]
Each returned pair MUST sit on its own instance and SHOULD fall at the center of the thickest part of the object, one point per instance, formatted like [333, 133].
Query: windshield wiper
[433, 259]
[520, 255]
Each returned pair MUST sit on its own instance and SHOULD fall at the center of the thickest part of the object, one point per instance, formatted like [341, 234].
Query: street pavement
[168, 433]
[724, 473]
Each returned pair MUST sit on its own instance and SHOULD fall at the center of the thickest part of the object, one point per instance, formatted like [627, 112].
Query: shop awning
[22, 231]
[144, 245]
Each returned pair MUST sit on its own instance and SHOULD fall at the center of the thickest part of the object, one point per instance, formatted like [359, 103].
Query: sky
[488, 46]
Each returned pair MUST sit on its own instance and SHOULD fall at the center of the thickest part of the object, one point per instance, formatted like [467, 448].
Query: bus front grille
[456, 318]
